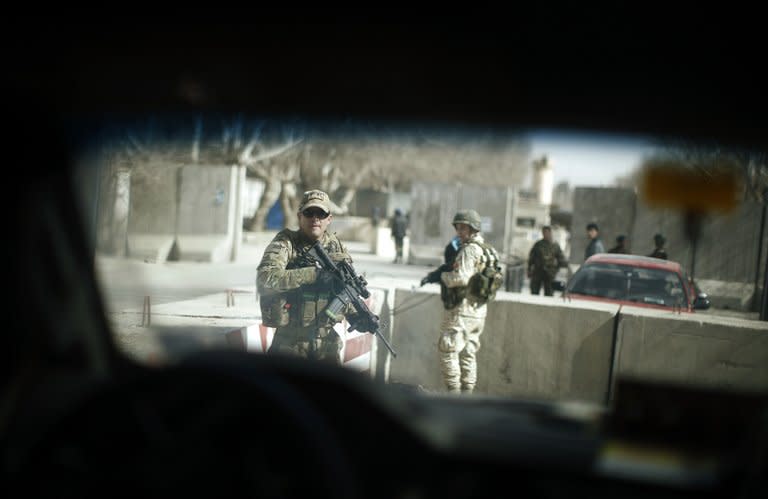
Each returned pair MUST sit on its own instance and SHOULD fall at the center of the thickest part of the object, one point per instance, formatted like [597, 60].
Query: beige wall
[544, 348]
[716, 351]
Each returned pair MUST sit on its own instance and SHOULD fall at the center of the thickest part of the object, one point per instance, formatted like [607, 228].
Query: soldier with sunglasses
[293, 293]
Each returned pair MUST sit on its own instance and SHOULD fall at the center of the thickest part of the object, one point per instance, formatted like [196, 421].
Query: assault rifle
[353, 287]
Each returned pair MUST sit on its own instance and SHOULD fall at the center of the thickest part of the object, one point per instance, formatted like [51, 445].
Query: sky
[588, 160]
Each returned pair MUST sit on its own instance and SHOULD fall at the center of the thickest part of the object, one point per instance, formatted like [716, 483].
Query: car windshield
[188, 217]
[292, 259]
[636, 284]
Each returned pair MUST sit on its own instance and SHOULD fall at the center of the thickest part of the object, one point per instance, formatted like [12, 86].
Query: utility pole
[764, 298]
[693, 223]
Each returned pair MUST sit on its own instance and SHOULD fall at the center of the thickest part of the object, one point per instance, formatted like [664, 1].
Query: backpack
[484, 285]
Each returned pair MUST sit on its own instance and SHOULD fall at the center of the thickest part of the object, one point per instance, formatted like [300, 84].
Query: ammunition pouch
[274, 310]
[311, 306]
[483, 285]
[452, 297]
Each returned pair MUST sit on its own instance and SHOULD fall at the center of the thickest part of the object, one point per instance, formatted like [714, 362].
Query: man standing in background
[621, 245]
[399, 230]
[595, 244]
[659, 252]
[544, 259]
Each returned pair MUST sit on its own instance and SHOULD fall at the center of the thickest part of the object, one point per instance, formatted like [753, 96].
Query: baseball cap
[316, 198]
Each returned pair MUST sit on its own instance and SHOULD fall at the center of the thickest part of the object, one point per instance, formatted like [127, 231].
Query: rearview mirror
[701, 302]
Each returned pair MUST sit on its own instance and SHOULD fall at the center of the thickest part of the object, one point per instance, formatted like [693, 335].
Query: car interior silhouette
[79, 417]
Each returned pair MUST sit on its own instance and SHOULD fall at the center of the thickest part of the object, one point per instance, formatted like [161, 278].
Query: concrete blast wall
[434, 205]
[207, 213]
[715, 352]
[545, 348]
[189, 212]
[612, 209]
[153, 211]
[727, 247]
[727, 262]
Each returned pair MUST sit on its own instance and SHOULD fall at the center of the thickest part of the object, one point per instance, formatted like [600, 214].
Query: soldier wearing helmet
[293, 293]
[463, 322]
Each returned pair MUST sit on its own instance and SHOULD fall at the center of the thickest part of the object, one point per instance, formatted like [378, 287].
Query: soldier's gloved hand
[326, 279]
[424, 281]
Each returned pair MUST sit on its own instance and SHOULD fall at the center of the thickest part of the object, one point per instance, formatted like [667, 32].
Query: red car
[636, 280]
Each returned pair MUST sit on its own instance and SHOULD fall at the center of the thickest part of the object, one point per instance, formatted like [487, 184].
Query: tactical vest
[452, 297]
[547, 257]
[482, 286]
[300, 307]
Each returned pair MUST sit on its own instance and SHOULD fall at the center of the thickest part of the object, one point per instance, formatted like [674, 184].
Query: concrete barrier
[543, 347]
[532, 346]
[205, 248]
[416, 320]
[208, 213]
[696, 349]
[152, 248]
[349, 228]
[359, 351]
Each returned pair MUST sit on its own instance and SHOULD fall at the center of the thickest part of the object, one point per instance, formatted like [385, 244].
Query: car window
[621, 282]
[197, 226]
[607, 281]
[181, 213]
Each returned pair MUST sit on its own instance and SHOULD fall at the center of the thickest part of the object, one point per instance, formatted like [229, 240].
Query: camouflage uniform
[543, 261]
[293, 302]
[463, 324]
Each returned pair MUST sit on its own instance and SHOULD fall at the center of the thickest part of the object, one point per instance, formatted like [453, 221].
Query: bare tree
[277, 165]
[289, 158]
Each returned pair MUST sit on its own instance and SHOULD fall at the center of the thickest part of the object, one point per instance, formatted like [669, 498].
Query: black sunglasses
[315, 212]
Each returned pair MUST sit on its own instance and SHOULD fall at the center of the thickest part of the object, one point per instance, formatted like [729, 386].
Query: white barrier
[358, 351]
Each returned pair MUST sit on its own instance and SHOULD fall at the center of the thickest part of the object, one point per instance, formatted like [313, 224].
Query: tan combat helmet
[469, 217]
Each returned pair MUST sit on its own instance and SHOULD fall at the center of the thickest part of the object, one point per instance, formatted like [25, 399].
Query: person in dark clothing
[659, 252]
[399, 230]
[544, 260]
[449, 255]
[621, 245]
[595, 244]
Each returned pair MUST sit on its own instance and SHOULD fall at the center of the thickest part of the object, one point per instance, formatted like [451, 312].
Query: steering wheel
[204, 428]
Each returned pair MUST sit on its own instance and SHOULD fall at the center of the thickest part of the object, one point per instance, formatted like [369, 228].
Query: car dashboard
[235, 422]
